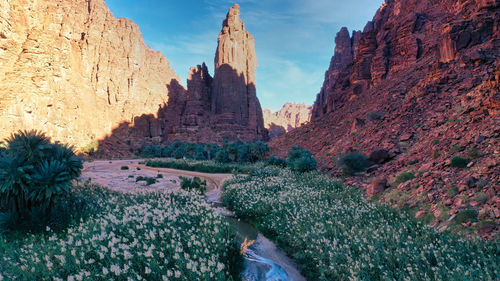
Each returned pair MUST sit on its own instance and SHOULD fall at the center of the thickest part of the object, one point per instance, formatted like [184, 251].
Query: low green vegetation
[276, 161]
[148, 180]
[193, 184]
[238, 152]
[301, 160]
[459, 162]
[354, 162]
[204, 166]
[403, 177]
[153, 236]
[334, 233]
[124, 168]
[34, 173]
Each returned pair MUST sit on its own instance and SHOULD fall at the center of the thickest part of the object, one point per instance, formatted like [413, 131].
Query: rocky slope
[289, 117]
[73, 70]
[417, 87]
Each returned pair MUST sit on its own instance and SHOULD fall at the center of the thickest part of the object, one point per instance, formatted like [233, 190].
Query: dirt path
[110, 174]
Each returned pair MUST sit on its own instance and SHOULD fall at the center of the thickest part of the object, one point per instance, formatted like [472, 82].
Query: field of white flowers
[154, 236]
[335, 234]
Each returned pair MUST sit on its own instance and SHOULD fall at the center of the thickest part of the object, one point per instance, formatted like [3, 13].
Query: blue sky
[294, 39]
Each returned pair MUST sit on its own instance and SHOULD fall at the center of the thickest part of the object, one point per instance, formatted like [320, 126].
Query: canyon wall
[289, 117]
[74, 71]
[416, 91]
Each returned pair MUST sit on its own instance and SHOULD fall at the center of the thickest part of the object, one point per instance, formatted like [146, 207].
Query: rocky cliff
[225, 106]
[289, 117]
[415, 90]
[73, 70]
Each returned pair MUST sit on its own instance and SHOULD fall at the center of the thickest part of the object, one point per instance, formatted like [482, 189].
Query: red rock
[376, 187]
[419, 214]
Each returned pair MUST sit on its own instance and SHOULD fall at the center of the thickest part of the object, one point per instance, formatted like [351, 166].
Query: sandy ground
[109, 173]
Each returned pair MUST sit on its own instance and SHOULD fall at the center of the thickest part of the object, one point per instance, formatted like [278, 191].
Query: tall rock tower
[234, 99]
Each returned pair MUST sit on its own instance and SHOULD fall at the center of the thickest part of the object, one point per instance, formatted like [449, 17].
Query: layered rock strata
[289, 117]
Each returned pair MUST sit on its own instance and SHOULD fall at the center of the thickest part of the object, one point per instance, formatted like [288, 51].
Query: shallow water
[263, 261]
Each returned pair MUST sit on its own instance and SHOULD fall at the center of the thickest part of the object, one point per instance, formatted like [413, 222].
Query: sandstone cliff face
[289, 117]
[418, 86]
[72, 69]
[211, 109]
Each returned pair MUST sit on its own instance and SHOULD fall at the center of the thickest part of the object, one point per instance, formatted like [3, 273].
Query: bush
[375, 115]
[34, 172]
[465, 216]
[403, 177]
[195, 184]
[354, 162]
[301, 160]
[148, 180]
[276, 161]
[124, 168]
[459, 162]
[473, 153]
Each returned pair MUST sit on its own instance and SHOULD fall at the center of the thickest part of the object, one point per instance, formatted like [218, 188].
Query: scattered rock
[377, 186]
[379, 156]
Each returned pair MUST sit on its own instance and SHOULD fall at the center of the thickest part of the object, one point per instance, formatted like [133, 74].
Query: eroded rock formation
[289, 117]
[72, 69]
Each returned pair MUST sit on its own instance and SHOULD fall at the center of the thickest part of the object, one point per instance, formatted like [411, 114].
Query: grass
[334, 233]
[204, 166]
[403, 177]
[151, 236]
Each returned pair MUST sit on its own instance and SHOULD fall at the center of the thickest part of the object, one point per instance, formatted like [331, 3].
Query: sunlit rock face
[289, 117]
[73, 70]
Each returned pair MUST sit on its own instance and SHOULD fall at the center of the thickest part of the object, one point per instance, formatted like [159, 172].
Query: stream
[263, 261]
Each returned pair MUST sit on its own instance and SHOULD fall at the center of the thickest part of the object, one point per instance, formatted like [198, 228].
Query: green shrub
[465, 216]
[473, 153]
[403, 177]
[276, 161]
[301, 160]
[124, 168]
[159, 176]
[354, 162]
[34, 172]
[222, 156]
[456, 148]
[195, 184]
[148, 180]
[459, 162]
